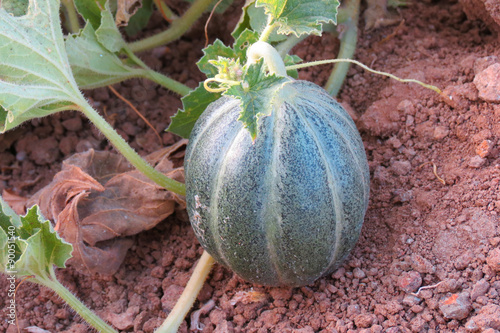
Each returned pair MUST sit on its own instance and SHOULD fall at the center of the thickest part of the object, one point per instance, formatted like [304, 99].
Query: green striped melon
[287, 208]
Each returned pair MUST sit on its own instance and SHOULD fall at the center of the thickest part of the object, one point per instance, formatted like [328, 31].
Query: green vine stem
[185, 302]
[71, 15]
[122, 146]
[348, 40]
[80, 308]
[333, 61]
[154, 76]
[178, 28]
[271, 57]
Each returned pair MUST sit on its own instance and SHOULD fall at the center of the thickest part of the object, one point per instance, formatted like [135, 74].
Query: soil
[428, 259]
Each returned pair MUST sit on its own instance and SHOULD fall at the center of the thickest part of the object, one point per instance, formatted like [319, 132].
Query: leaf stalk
[271, 57]
[123, 147]
[189, 295]
[177, 29]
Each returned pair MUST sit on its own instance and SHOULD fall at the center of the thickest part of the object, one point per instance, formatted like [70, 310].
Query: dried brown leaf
[98, 199]
[16, 202]
[125, 10]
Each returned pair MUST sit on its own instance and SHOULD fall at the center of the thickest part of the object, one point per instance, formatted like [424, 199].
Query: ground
[433, 216]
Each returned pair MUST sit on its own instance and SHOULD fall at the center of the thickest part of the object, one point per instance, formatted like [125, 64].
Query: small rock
[364, 320]
[401, 168]
[411, 300]
[487, 83]
[73, 124]
[410, 281]
[456, 306]
[479, 289]
[480, 64]
[447, 286]
[358, 273]
[464, 260]
[441, 132]
[476, 162]
[421, 265]
[493, 259]
[170, 296]
[487, 318]
[124, 321]
[484, 148]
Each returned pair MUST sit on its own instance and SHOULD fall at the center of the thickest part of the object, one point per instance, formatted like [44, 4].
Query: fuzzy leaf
[254, 19]
[35, 77]
[35, 243]
[15, 7]
[213, 52]
[256, 93]
[300, 16]
[91, 10]
[140, 18]
[97, 66]
[107, 33]
[194, 104]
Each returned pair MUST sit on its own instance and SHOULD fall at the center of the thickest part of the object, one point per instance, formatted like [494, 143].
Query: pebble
[479, 289]
[456, 306]
[73, 124]
[401, 168]
[487, 83]
[480, 64]
[421, 265]
[493, 259]
[364, 320]
[441, 132]
[464, 260]
[358, 273]
[487, 318]
[410, 281]
[485, 148]
[476, 162]
[411, 300]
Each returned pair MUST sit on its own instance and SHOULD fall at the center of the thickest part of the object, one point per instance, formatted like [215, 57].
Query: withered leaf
[98, 199]
[125, 10]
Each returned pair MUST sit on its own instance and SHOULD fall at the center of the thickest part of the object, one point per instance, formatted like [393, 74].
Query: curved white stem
[271, 57]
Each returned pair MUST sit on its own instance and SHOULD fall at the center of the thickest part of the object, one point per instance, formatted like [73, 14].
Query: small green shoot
[29, 246]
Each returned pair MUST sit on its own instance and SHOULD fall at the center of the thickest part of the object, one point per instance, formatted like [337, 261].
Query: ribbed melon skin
[288, 208]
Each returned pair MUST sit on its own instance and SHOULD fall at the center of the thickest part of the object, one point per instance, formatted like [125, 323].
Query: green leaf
[254, 19]
[15, 7]
[91, 10]
[292, 60]
[257, 93]
[32, 242]
[213, 52]
[300, 16]
[243, 42]
[97, 66]
[35, 77]
[194, 104]
[107, 33]
[140, 19]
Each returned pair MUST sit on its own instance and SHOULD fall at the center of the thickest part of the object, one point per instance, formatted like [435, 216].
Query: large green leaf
[35, 76]
[194, 104]
[256, 92]
[97, 66]
[91, 10]
[300, 16]
[32, 243]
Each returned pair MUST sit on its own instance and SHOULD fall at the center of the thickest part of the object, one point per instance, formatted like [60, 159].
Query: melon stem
[271, 57]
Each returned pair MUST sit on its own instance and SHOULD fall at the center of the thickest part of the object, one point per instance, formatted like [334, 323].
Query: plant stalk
[333, 61]
[348, 40]
[271, 57]
[178, 28]
[122, 146]
[90, 317]
[185, 302]
[71, 15]
[154, 76]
